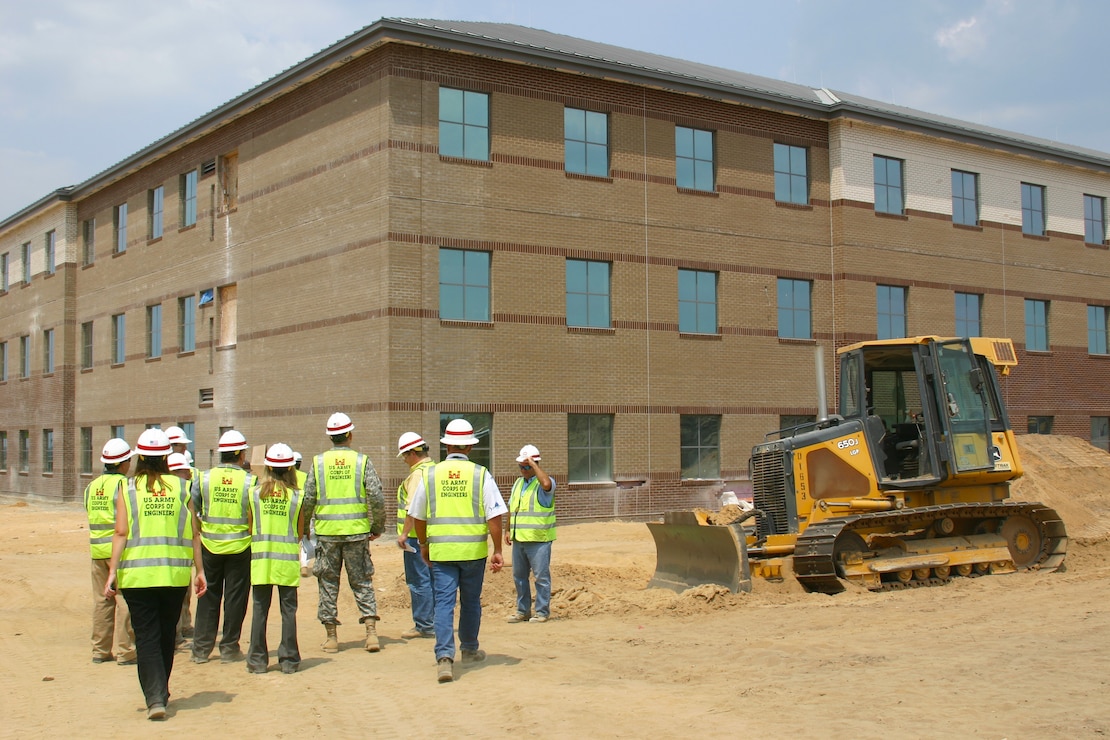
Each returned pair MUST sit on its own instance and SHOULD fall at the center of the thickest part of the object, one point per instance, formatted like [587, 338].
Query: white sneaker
[517, 617]
[538, 618]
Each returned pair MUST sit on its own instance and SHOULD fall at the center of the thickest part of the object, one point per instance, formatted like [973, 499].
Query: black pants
[288, 651]
[229, 581]
[154, 615]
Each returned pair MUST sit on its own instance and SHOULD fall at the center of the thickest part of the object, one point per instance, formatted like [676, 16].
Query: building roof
[543, 48]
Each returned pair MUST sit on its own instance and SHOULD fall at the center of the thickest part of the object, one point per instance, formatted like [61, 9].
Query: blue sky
[86, 83]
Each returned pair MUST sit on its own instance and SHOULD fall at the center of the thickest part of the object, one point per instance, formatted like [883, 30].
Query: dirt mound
[1070, 475]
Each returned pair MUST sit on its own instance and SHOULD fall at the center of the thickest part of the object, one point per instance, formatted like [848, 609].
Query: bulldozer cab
[926, 407]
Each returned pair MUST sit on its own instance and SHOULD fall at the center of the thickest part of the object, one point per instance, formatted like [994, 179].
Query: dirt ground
[1016, 656]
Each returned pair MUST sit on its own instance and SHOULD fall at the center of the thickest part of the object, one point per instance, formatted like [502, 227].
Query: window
[190, 430]
[86, 450]
[119, 339]
[118, 431]
[88, 241]
[26, 260]
[1032, 209]
[50, 248]
[791, 174]
[119, 229]
[25, 356]
[3, 362]
[1100, 435]
[481, 453]
[888, 185]
[1036, 325]
[189, 198]
[3, 450]
[891, 309]
[24, 450]
[968, 314]
[700, 443]
[48, 351]
[795, 309]
[229, 315]
[154, 330]
[589, 447]
[48, 450]
[4, 272]
[1039, 425]
[587, 293]
[586, 142]
[693, 158]
[155, 200]
[463, 124]
[1097, 321]
[464, 285]
[87, 345]
[965, 198]
[187, 324]
[1094, 219]
[697, 302]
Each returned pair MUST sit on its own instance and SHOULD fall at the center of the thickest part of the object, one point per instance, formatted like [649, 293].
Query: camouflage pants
[355, 556]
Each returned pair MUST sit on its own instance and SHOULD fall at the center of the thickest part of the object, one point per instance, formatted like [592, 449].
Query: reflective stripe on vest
[529, 520]
[101, 497]
[224, 493]
[159, 549]
[340, 497]
[403, 496]
[457, 528]
[275, 547]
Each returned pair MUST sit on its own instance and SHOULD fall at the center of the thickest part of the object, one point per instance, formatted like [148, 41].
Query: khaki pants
[111, 620]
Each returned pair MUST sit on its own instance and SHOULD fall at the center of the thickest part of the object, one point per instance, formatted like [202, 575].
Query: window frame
[3, 451]
[1098, 330]
[25, 356]
[884, 189]
[25, 255]
[792, 311]
[691, 161]
[119, 228]
[891, 313]
[455, 285]
[25, 451]
[154, 331]
[5, 267]
[188, 199]
[1039, 424]
[692, 433]
[961, 201]
[187, 323]
[1094, 219]
[697, 305]
[88, 242]
[1034, 209]
[590, 138]
[787, 177]
[48, 355]
[50, 251]
[1036, 325]
[47, 451]
[87, 345]
[472, 129]
[4, 362]
[85, 453]
[156, 204]
[961, 309]
[586, 300]
[594, 425]
[119, 338]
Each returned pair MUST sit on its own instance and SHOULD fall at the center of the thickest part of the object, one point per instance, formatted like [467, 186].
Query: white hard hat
[115, 451]
[339, 423]
[177, 461]
[279, 456]
[528, 451]
[232, 441]
[188, 457]
[153, 443]
[296, 457]
[459, 433]
[408, 441]
[177, 436]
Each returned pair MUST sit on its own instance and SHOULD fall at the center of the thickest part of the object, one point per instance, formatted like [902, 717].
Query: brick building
[624, 259]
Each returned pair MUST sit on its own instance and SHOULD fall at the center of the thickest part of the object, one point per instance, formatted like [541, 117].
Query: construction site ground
[1016, 656]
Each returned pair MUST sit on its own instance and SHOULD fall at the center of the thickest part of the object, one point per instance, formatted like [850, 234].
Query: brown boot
[372, 644]
[331, 645]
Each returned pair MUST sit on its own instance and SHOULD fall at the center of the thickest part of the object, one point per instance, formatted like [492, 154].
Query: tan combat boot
[372, 644]
[331, 645]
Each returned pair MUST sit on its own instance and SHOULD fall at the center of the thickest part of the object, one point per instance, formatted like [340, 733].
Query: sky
[85, 84]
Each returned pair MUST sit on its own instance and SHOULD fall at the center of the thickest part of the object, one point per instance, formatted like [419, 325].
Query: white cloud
[963, 39]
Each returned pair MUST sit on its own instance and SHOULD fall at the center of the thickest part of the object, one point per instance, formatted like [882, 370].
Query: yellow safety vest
[301, 478]
[457, 528]
[159, 549]
[340, 497]
[275, 547]
[101, 496]
[403, 495]
[529, 520]
[224, 491]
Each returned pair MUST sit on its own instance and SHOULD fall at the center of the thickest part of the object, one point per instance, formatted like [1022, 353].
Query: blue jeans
[419, 578]
[464, 577]
[532, 557]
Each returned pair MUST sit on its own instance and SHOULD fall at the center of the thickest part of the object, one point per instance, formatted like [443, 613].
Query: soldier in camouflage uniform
[343, 496]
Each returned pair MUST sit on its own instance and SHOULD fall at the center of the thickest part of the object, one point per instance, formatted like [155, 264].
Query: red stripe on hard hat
[112, 458]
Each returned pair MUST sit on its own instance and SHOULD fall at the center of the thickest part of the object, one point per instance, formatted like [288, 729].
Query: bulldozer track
[815, 564]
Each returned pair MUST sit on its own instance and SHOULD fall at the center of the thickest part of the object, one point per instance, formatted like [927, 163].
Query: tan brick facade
[326, 206]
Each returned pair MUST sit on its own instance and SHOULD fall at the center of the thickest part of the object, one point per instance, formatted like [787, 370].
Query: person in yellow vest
[343, 500]
[154, 549]
[532, 528]
[225, 540]
[180, 444]
[413, 451]
[276, 527]
[456, 507]
[111, 621]
[308, 539]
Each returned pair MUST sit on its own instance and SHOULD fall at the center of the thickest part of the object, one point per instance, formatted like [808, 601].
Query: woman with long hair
[276, 526]
[155, 546]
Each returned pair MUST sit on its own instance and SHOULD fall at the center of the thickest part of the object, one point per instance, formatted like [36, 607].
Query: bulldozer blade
[689, 554]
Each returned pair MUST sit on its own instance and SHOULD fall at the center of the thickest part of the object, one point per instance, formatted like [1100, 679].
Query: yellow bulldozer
[907, 485]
